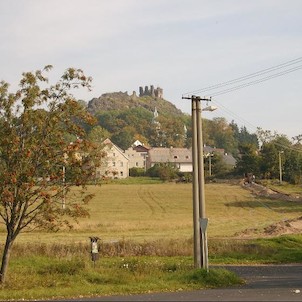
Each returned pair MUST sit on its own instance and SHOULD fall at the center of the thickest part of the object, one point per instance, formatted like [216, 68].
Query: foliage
[137, 172]
[127, 118]
[243, 137]
[221, 134]
[282, 249]
[293, 166]
[248, 161]
[43, 277]
[219, 167]
[124, 138]
[165, 171]
[98, 134]
[68, 272]
[34, 154]
[185, 177]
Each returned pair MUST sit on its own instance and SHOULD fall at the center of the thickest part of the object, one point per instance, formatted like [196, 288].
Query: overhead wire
[257, 81]
[258, 74]
[246, 77]
[249, 126]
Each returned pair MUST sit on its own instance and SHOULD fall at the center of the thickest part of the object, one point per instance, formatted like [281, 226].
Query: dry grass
[150, 212]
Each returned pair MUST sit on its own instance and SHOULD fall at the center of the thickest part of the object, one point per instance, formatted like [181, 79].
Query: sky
[181, 46]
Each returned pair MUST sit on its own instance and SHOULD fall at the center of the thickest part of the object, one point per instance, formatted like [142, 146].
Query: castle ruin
[153, 92]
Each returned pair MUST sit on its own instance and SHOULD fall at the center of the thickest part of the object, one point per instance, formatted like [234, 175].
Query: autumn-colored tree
[34, 155]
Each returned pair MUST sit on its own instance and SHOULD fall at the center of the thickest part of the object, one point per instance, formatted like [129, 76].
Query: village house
[115, 164]
[137, 155]
[228, 159]
[181, 158]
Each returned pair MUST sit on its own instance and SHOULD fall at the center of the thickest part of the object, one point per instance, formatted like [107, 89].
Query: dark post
[94, 249]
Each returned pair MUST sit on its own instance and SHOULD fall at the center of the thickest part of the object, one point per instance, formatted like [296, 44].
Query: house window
[113, 154]
[175, 156]
[122, 174]
[136, 164]
[122, 164]
[113, 163]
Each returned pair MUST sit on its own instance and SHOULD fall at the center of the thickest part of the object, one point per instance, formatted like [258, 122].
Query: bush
[165, 171]
[137, 172]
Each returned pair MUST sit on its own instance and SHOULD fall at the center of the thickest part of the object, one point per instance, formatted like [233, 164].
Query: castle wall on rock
[153, 92]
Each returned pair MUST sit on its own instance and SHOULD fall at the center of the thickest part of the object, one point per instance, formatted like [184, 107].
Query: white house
[179, 157]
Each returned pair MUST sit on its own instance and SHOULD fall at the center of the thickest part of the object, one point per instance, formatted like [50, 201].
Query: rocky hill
[122, 101]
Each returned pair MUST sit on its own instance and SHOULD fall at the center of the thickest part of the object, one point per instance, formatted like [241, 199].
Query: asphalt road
[263, 283]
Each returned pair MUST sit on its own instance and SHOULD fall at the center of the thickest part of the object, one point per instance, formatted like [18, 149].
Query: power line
[257, 81]
[250, 76]
[260, 76]
[245, 122]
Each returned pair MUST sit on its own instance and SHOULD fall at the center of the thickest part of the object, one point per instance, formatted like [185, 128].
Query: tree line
[260, 153]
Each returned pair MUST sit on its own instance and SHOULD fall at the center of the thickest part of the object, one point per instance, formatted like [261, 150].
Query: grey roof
[229, 159]
[174, 155]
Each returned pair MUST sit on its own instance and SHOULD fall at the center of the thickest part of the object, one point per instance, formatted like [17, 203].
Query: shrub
[137, 172]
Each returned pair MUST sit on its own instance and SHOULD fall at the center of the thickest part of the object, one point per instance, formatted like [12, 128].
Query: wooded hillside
[156, 122]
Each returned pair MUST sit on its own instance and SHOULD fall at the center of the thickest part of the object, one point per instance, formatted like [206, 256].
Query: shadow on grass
[274, 205]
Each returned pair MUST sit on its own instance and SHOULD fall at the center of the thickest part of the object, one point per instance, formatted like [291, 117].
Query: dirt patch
[290, 226]
[260, 190]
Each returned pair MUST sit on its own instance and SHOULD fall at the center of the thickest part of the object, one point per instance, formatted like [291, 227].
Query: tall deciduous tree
[34, 155]
[249, 160]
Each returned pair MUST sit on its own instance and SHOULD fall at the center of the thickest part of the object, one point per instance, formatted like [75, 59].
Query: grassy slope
[142, 212]
[145, 213]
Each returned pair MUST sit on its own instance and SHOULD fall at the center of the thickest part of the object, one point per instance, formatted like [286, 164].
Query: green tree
[269, 164]
[222, 135]
[293, 166]
[249, 160]
[34, 122]
[270, 149]
[219, 167]
[242, 135]
[124, 138]
[165, 171]
[98, 134]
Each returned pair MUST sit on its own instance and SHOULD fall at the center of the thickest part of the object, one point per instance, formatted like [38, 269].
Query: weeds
[47, 277]
[57, 270]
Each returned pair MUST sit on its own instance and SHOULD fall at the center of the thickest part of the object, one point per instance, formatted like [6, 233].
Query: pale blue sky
[179, 45]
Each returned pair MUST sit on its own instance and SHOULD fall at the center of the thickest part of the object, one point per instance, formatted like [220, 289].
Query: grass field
[144, 212]
[146, 231]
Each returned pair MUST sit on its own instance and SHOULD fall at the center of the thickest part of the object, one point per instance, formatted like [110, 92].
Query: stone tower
[153, 92]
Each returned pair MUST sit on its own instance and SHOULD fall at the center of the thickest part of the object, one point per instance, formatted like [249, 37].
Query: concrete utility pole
[280, 167]
[200, 222]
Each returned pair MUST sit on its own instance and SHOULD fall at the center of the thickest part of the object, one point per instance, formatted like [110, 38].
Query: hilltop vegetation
[157, 122]
[122, 101]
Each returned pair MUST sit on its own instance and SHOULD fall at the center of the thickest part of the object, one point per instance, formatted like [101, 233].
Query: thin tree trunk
[5, 258]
